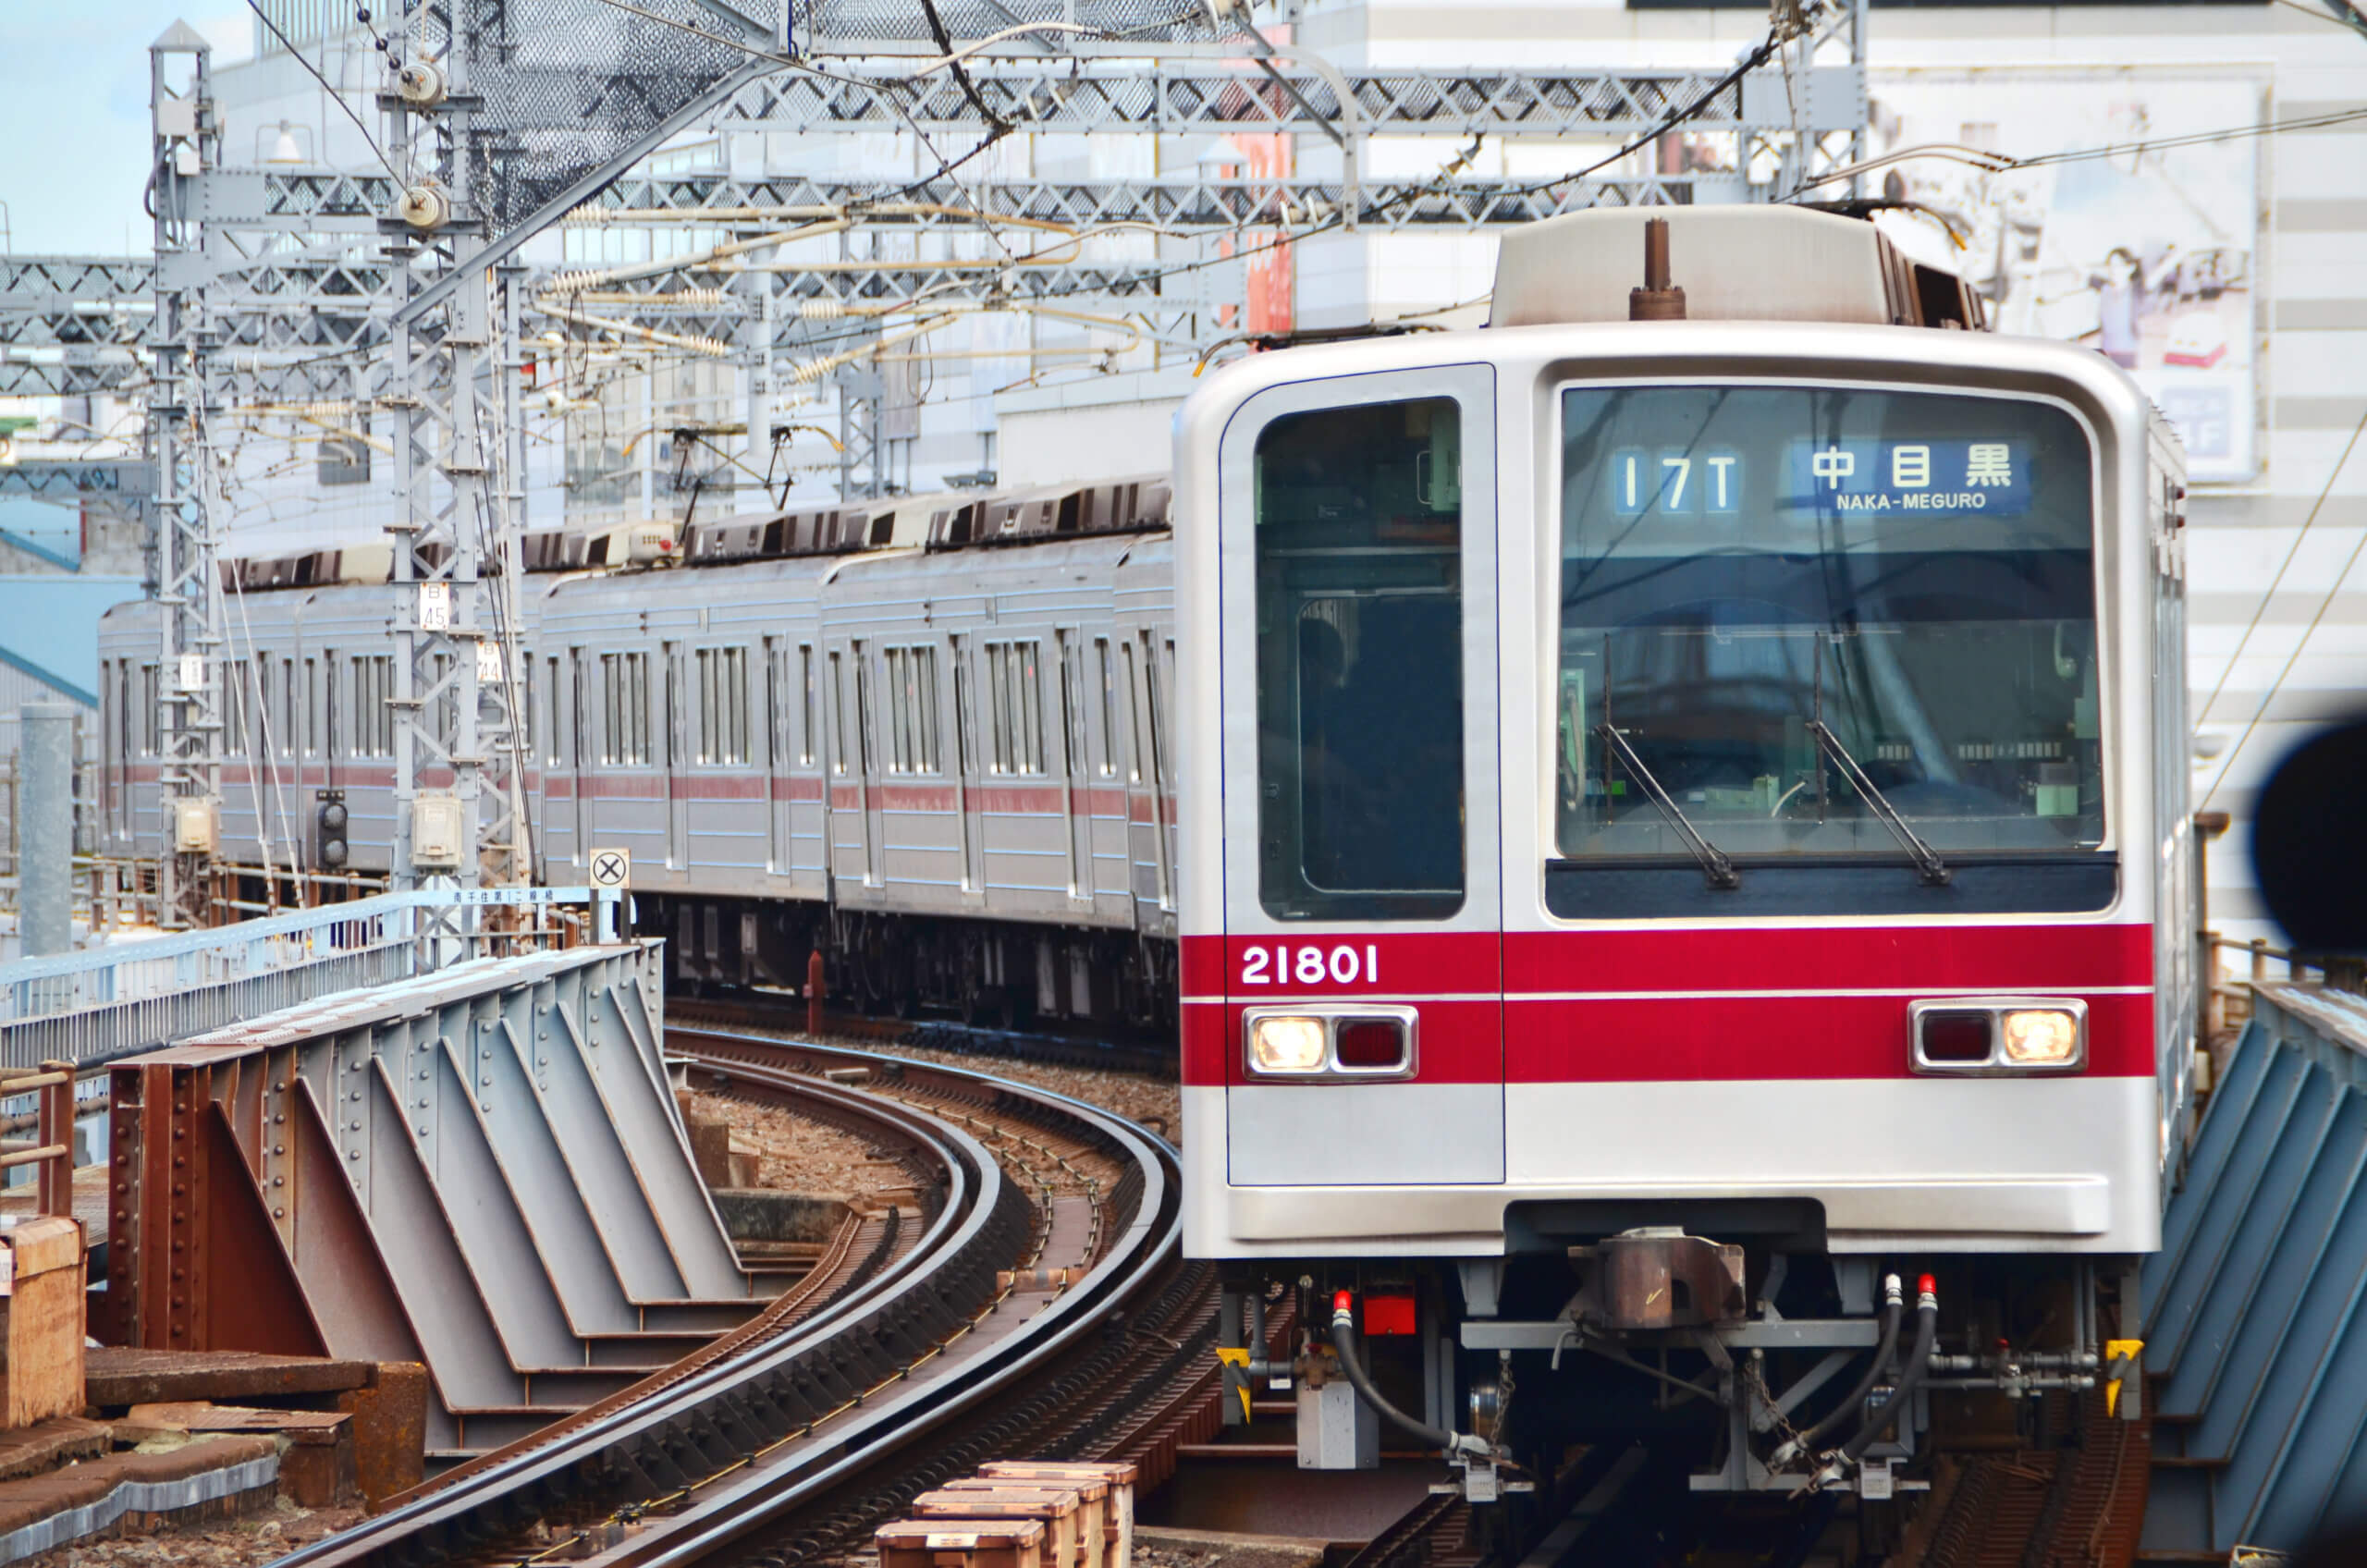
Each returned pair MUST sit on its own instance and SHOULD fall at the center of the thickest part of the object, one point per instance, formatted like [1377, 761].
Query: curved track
[1041, 1233]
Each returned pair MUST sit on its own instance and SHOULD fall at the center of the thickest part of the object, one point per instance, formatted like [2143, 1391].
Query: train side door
[1357, 603]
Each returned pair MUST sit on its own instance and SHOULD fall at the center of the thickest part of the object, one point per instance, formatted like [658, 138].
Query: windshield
[1912, 569]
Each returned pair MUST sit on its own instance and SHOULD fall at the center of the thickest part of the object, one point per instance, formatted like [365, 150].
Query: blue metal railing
[2256, 1305]
[127, 997]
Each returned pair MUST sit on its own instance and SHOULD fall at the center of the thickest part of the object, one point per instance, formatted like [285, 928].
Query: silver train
[932, 736]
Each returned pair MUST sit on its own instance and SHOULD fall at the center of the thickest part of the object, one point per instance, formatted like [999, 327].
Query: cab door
[1357, 593]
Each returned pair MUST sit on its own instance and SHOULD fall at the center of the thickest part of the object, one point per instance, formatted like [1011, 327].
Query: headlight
[1287, 1044]
[2040, 1036]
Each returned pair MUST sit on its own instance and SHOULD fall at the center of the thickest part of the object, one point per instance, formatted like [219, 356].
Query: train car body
[1688, 799]
[932, 738]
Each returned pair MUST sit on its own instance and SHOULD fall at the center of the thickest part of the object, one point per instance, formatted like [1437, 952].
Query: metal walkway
[2255, 1337]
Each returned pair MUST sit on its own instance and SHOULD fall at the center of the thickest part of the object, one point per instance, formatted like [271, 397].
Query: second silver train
[933, 736]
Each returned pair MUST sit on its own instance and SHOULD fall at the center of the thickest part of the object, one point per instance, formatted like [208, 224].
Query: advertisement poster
[2145, 254]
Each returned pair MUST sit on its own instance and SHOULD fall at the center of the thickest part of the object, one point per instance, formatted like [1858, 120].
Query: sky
[74, 117]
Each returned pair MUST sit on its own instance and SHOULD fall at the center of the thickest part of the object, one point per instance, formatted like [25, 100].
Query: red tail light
[1370, 1043]
[1955, 1037]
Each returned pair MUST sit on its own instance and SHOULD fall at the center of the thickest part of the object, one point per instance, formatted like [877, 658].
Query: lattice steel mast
[191, 677]
[458, 780]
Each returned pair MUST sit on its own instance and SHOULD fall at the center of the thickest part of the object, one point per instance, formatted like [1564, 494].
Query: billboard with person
[2138, 235]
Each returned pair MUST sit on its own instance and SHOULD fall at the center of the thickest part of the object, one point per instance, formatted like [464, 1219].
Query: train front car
[1686, 868]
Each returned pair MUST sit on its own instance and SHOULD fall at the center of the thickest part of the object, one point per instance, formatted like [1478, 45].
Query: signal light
[329, 822]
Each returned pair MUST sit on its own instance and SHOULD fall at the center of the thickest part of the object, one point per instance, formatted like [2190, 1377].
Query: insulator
[823, 309]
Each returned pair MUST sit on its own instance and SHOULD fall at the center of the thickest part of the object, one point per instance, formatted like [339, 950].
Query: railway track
[1023, 1295]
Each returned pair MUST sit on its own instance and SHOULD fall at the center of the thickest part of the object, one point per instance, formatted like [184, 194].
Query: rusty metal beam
[481, 1169]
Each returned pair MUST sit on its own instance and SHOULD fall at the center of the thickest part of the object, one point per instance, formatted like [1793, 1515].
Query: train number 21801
[1284, 965]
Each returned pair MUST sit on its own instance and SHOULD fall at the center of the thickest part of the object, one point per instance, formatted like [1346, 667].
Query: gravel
[264, 1538]
[797, 1153]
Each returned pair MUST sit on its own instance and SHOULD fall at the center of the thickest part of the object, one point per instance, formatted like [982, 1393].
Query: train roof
[1757, 262]
[946, 520]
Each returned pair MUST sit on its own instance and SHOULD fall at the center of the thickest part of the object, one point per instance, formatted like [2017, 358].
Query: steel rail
[766, 1499]
[639, 1440]
[648, 1445]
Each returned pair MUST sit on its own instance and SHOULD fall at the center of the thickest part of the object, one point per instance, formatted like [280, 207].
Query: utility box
[40, 1320]
[1336, 1429]
[197, 824]
[440, 832]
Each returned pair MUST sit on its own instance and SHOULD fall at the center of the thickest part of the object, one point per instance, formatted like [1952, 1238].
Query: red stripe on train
[1579, 1006]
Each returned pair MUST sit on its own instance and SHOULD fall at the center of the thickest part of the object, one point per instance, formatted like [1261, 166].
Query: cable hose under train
[1893, 1309]
[1911, 1376]
[1343, 1341]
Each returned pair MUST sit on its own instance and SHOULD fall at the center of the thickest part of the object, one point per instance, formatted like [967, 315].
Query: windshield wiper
[1714, 865]
[1932, 869]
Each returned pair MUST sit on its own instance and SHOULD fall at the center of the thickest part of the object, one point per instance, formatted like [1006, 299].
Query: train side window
[912, 709]
[234, 706]
[312, 707]
[838, 715]
[962, 706]
[1163, 688]
[997, 720]
[369, 701]
[1106, 667]
[551, 705]
[1071, 757]
[1358, 523]
[1014, 695]
[124, 740]
[624, 681]
[806, 730]
[776, 668]
[863, 740]
[521, 716]
[924, 707]
[1134, 732]
[723, 706]
[899, 705]
[330, 708]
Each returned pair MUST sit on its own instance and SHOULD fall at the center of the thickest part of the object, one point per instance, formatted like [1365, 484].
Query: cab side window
[1359, 523]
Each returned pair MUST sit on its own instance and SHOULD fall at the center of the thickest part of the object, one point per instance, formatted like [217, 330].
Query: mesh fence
[827, 23]
[566, 85]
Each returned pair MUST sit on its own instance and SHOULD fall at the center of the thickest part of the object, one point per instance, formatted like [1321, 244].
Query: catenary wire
[2332, 590]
